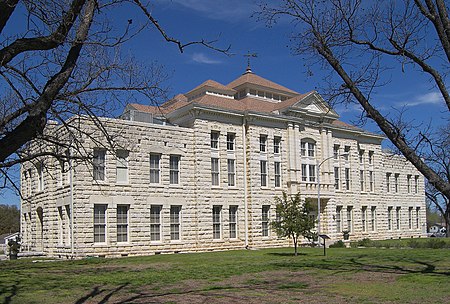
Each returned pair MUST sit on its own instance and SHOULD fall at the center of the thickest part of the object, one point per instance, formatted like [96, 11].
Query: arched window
[308, 154]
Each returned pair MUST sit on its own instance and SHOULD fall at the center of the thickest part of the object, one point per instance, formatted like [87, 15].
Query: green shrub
[436, 243]
[338, 244]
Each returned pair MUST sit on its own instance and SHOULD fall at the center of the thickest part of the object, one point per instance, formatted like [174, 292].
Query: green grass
[366, 275]
[433, 243]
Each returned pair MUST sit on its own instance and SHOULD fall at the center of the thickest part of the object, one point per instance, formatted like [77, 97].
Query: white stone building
[201, 171]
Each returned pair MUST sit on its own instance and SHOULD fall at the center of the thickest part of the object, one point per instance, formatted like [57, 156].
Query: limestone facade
[201, 172]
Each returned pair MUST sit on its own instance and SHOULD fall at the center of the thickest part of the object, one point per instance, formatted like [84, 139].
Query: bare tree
[67, 61]
[354, 38]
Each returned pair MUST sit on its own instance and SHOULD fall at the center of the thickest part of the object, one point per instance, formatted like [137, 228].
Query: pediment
[314, 104]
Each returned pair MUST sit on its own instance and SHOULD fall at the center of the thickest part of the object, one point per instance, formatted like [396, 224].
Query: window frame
[262, 143]
[232, 221]
[217, 222]
[214, 137]
[277, 174]
[99, 164]
[263, 173]
[122, 222]
[175, 216]
[155, 223]
[100, 219]
[174, 171]
[155, 168]
[265, 219]
[122, 164]
[215, 171]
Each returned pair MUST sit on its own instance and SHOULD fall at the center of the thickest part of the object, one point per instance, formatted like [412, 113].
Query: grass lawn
[345, 275]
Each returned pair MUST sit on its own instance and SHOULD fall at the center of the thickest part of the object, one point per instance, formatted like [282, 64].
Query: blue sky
[231, 23]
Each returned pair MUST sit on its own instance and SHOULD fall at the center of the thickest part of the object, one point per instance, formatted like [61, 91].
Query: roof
[251, 78]
[212, 84]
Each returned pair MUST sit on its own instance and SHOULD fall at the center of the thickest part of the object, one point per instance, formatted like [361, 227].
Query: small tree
[293, 218]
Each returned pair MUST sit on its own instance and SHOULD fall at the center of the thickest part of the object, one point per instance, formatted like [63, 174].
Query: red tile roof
[249, 77]
[213, 84]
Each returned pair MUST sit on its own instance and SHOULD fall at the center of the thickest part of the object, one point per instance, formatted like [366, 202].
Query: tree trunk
[295, 246]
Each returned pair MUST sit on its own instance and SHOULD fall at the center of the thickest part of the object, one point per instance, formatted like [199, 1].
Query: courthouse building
[201, 171]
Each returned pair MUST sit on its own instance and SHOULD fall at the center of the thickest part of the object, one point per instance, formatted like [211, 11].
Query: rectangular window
[346, 152]
[388, 182]
[389, 218]
[231, 173]
[417, 217]
[361, 178]
[277, 168]
[416, 184]
[265, 220]
[312, 173]
[304, 173]
[262, 143]
[215, 140]
[349, 218]
[122, 166]
[67, 225]
[154, 168]
[155, 222]
[230, 141]
[370, 157]
[215, 171]
[361, 157]
[364, 218]
[396, 182]
[40, 173]
[100, 223]
[232, 220]
[336, 151]
[175, 222]
[347, 178]
[60, 226]
[371, 181]
[311, 149]
[373, 215]
[303, 148]
[174, 167]
[338, 219]
[277, 145]
[122, 223]
[99, 164]
[263, 167]
[217, 222]
[397, 218]
[408, 183]
[336, 178]
[410, 214]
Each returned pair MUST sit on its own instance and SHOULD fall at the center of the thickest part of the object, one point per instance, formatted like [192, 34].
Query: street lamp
[318, 189]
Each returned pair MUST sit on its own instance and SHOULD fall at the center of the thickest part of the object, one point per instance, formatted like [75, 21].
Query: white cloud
[430, 98]
[202, 58]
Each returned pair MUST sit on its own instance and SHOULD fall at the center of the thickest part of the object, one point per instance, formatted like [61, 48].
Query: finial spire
[249, 55]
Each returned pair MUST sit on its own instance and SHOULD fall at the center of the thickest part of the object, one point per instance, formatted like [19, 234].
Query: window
[361, 178]
[410, 213]
[67, 225]
[311, 149]
[231, 173]
[373, 215]
[336, 177]
[364, 218]
[347, 178]
[217, 222]
[371, 182]
[361, 157]
[303, 148]
[277, 145]
[155, 222]
[277, 168]
[214, 140]
[99, 164]
[397, 218]
[396, 182]
[336, 151]
[416, 184]
[304, 173]
[263, 167]
[408, 183]
[230, 141]
[60, 226]
[154, 168]
[338, 219]
[370, 157]
[99, 223]
[265, 220]
[122, 223]
[307, 146]
[389, 218]
[175, 212]
[388, 182]
[174, 167]
[215, 171]
[262, 143]
[349, 218]
[40, 173]
[122, 166]
[233, 221]
[417, 217]
[312, 173]
[346, 152]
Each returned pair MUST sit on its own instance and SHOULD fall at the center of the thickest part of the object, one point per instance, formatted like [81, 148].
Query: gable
[313, 104]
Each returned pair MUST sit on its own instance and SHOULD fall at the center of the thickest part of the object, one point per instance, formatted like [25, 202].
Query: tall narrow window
[99, 223]
[396, 182]
[373, 214]
[68, 225]
[217, 222]
[397, 218]
[364, 218]
[361, 178]
[303, 148]
[232, 220]
[155, 222]
[277, 145]
[262, 143]
[263, 168]
[122, 166]
[388, 182]
[231, 173]
[347, 178]
[215, 140]
[346, 152]
[336, 151]
[408, 183]
[230, 141]
[371, 181]
[175, 215]
[122, 223]
[389, 215]
[215, 171]
[60, 226]
[99, 164]
[336, 178]
[312, 173]
[416, 184]
[338, 219]
[370, 157]
[277, 168]
[311, 149]
[361, 157]
[40, 173]
[417, 217]
[265, 220]
[154, 168]
[304, 173]
[174, 169]
[410, 214]
[349, 218]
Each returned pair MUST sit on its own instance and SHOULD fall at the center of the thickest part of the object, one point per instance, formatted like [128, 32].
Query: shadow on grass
[285, 254]
[97, 291]
[12, 292]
